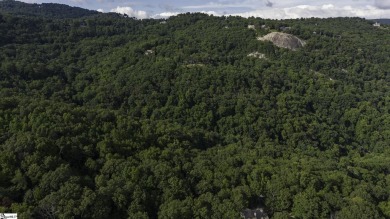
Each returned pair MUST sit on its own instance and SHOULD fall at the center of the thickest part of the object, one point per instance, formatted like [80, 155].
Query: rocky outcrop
[283, 40]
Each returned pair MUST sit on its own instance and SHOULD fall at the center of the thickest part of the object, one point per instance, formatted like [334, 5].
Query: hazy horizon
[281, 9]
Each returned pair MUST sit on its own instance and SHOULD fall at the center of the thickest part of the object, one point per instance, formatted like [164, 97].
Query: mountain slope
[48, 10]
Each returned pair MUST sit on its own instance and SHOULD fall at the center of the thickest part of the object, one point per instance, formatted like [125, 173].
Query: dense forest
[105, 116]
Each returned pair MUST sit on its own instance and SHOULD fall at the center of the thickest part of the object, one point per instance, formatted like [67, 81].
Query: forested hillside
[104, 116]
[47, 10]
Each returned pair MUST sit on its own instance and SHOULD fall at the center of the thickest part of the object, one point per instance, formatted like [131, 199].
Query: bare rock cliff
[283, 40]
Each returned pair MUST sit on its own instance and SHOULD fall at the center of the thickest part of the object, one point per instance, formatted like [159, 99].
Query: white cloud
[285, 9]
[100, 10]
[322, 11]
[254, 4]
[130, 12]
[166, 14]
[211, 13]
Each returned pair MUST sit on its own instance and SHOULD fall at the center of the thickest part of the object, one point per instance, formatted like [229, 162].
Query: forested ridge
[105, 116]
[47, 10]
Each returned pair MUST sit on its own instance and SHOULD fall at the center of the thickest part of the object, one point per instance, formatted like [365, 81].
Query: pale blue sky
[278, 9]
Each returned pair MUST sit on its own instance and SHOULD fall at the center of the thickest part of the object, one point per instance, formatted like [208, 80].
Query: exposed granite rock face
[283, 40]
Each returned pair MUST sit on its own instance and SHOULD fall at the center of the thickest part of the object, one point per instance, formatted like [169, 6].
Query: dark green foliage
[48, 10]
[107, 116]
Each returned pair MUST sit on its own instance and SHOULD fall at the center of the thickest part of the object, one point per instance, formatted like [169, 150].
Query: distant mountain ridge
[49, 10]
[383, 21]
